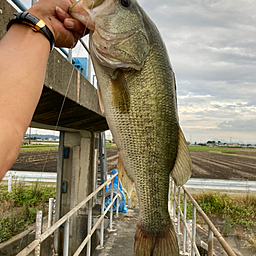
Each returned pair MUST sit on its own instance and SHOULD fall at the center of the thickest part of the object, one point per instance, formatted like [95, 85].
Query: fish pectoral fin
[100, 99]
[127, 183]
[181, 171]
[120, 93]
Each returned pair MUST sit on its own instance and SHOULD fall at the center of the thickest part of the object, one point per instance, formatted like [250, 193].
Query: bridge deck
[120, 240]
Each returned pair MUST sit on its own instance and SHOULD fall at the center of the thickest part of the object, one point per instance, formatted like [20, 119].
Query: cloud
[238, 125]
[212, 48]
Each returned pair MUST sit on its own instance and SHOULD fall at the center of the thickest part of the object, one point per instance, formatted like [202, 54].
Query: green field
[221, 149]
[31, 149]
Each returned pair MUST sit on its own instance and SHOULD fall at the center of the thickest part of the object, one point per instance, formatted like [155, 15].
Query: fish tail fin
[164, 244]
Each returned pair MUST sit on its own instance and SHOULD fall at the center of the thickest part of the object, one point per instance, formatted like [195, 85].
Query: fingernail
[59, 10]
[69, 24]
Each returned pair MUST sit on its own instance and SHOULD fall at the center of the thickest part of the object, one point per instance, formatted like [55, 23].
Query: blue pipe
[20, 5]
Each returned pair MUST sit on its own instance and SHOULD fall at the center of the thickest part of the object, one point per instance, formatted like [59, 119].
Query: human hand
[65, 29]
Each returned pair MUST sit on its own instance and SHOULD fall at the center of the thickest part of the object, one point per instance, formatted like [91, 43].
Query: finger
[61, 14]
[76, 26]
[67, 39]
[63, 36]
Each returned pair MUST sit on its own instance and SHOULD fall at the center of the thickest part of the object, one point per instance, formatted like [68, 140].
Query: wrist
[35, 23]
[42, 16]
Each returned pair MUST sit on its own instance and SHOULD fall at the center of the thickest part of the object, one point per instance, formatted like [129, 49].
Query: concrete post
[79, 177]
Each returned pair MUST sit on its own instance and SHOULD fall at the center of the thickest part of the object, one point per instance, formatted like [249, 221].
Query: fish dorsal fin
[181, 171]
[100, 99]
[127, 183]
[120, 93]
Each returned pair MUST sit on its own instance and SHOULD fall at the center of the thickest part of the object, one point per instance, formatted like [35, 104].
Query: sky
[212, 48]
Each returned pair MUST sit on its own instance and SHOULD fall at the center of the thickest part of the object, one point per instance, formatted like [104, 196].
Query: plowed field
[230, 165]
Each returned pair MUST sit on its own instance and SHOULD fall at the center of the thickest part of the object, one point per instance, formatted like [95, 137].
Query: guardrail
[202, 184]
[182, 216]
[66, 220]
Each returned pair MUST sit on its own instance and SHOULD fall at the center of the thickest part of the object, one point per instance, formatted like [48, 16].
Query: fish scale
[147, 98]
[137, 91]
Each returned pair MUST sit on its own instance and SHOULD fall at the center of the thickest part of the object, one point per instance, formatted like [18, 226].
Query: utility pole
[29, 135]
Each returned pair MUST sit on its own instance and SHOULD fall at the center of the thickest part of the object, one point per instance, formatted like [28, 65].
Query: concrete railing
[179, 216]
[91, 229]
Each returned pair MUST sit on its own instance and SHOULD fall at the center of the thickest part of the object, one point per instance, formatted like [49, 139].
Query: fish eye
[126, 3]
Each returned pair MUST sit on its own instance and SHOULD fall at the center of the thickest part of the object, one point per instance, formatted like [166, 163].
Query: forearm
[23, 61]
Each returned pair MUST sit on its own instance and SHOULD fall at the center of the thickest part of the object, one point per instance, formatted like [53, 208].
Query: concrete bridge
[80, 122]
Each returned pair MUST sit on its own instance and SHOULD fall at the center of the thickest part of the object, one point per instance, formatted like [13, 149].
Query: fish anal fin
[100, 99]
[120, 93]
[164, 244]
[127, 183]
[181, 171]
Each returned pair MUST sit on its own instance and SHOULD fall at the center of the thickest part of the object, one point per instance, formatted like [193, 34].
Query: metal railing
[91, 229]
[175, 205]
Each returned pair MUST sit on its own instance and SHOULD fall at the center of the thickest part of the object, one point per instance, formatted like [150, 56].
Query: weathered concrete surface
[79, 174]
[81, 110]
[120, 241]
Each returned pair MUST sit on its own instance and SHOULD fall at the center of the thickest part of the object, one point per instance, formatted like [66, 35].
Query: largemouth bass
[137, 91]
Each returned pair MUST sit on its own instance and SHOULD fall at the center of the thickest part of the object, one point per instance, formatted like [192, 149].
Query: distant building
[233, 144]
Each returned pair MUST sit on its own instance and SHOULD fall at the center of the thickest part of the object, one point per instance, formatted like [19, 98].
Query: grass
[38, 149]
[251, 243]
[233, 209]
[110, 145]
[235, 212]
[18, 208]
[39, 146]
[221, 149]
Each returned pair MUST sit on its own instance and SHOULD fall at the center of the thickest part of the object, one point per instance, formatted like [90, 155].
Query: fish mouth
[108, 60]
[86, 10]
[83, 11]
[103, 42]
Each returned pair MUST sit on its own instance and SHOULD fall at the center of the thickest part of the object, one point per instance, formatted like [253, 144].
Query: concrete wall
[80, 176]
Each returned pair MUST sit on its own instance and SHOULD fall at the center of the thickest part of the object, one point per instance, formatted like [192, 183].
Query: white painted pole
[50, 212]
[174, 203]
[66, 238]
[10, 183]
[193, 231]
[184, 221]
[170, 196]
[117, 200]
[89, 227]
[129, 202]
[89, 68]
[178, 230]
[102, 223]
[111, 209]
